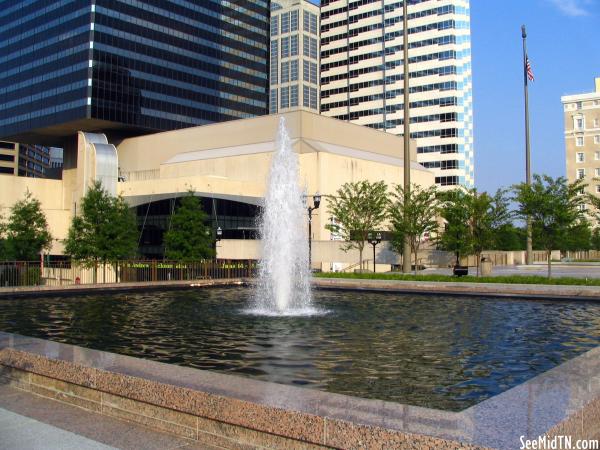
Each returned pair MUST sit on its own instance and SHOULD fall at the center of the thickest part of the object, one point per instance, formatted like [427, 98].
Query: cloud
[573, 8]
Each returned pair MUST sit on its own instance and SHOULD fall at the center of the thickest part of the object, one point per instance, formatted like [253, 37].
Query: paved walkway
[558, 270]
[29, 422]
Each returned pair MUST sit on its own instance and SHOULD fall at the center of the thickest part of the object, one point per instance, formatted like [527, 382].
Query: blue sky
[564, 48]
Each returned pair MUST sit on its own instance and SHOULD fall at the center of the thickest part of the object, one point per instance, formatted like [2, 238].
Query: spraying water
[284, 278]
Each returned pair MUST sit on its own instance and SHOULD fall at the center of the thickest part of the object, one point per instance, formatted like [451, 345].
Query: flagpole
[406, 256]
[527, 144]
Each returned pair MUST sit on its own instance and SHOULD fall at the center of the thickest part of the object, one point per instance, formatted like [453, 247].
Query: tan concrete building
[9, 158]
[582, 137]
[226, 162]
[294, 56]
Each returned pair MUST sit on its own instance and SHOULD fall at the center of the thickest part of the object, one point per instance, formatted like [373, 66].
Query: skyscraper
[129, 67]
[362, 76]
[294, 70]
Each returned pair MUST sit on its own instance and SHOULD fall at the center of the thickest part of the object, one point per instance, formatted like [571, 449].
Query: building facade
[24, 160]
[294, 59]
[129, 67]
[362, 76]
[582, 137]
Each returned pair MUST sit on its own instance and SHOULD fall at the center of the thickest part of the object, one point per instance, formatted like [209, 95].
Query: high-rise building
[362, 76]
[129, 67]
[294, 60]
[582, 137]
[24, 160]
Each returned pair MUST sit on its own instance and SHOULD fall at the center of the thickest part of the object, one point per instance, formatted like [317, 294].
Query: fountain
[283, 286]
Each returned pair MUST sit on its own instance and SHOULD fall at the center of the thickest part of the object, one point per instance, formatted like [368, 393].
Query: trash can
[486, 267]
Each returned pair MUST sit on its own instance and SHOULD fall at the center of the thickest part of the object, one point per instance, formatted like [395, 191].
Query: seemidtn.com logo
[559, 443]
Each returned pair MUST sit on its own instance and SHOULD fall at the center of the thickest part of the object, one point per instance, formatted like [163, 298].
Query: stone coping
[22, 291]
[562, 401]
[535, 291]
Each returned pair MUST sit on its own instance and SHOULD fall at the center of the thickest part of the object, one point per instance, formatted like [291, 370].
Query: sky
[564, 50]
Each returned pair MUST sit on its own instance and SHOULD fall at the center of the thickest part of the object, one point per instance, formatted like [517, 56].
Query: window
[294, 96]
[579, 142]
[580, 157]
[306, 71]
[306, 46]
[597, 139]
[294, 21]
[597, 172]
[274, 25]
[597, 156]
[580, 174]
[313, 23]
[294, 45]
[306, 21]
[596, 123]
[313, 98]
[285, 23]
[294, 72]
[579, 123]
[285, 72]
[579, 105]
[274, 61]
[285, 97]
[313, 73]
[582, 207]
[598, 189]
[305, 96]
[313, 48]
[285, 47]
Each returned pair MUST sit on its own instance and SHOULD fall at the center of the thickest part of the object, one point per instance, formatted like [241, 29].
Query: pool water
[435, 351]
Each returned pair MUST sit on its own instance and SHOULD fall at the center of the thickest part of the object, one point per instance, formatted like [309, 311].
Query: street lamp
[316, 203]
[218, 236]
[374, 240]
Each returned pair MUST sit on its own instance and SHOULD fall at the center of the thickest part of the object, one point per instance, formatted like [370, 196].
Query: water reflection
[442, 352]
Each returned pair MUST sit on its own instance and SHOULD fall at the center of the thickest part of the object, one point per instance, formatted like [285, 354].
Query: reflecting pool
[435, 351]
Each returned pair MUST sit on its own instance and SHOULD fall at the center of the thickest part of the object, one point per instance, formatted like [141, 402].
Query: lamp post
[218, 236]
[316, 204]
[374, 240]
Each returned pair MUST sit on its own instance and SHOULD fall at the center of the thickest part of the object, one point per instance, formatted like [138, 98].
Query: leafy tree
[554, 208]
[3, 249]
[487, 215]
[455, 209]
[413, 216]
[104, 232]
[358, 208]
[595, 240]
[189, 238]
[508, 237]
[26, 231]
[578, 238]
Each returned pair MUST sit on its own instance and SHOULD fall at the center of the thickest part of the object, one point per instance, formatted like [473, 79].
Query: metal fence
[26, 273]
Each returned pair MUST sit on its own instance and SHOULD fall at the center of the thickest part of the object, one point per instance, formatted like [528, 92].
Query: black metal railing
[36, 273]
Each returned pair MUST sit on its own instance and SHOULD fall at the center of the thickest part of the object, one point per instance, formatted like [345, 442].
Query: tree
[455, 207]
[3, 249]
[554, 207]
[104, 232]
[487, 215]
[189, 238]
[358, 208]
[26, 231]
[578, 238]
[412, 216]
[595, 241]
[508, 237]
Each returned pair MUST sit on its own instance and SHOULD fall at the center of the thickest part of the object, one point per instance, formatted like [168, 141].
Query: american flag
[529, 71]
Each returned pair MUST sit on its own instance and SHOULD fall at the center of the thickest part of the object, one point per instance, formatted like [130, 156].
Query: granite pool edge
[235, 411]
[532, 291]
[28, 291]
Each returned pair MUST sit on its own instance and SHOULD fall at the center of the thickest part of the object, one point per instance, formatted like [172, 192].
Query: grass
[512, 279]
